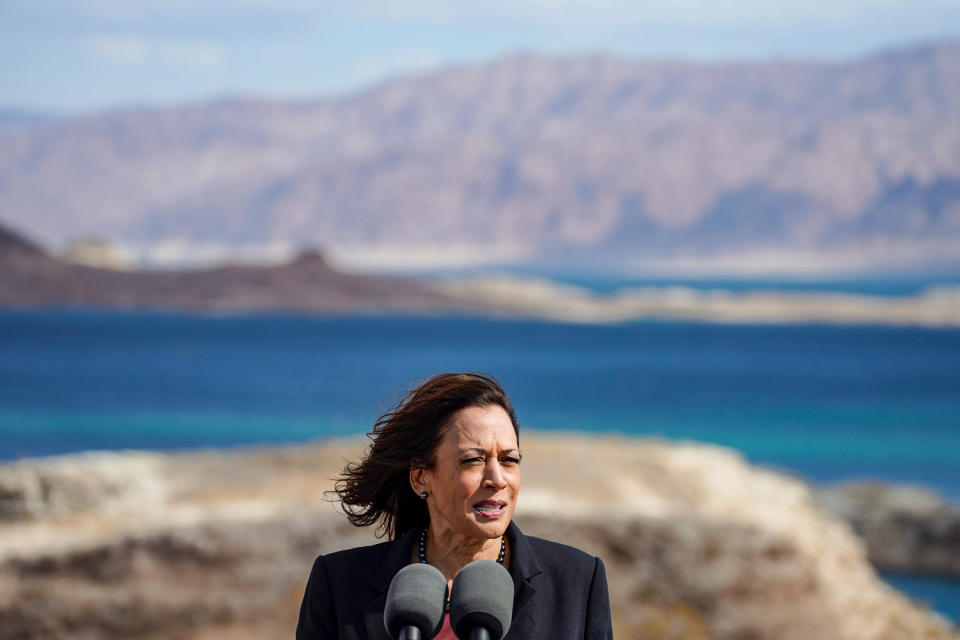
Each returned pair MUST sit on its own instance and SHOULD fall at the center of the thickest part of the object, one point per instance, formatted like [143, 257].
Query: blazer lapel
[523, 568]
[398, 558]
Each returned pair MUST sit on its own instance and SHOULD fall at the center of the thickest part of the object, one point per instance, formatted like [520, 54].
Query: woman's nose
[493, 475]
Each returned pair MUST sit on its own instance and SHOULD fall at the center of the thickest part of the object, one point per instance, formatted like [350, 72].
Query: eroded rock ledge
[212, 545]
[904, 528]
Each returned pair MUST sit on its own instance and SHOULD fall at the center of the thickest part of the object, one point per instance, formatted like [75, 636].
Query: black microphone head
[416, 596]
[482, 596]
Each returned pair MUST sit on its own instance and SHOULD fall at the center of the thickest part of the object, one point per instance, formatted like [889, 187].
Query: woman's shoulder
[380, 548]
[562, 557]
[350, 560]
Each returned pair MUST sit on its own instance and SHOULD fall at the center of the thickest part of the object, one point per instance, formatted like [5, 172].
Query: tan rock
[698, 544]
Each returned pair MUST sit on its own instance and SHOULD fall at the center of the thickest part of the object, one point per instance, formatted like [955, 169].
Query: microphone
[415, 602]
[481, 601]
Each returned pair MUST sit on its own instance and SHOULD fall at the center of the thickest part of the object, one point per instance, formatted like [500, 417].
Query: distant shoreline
[538, 299]
[33, 279]
[542, 298]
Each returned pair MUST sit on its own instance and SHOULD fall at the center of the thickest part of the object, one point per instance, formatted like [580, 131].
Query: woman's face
[474, 483]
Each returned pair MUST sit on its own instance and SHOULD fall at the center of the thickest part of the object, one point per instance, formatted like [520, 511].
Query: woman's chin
[491, 527]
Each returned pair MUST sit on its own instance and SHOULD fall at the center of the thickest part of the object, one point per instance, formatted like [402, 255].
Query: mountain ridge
[529, 157]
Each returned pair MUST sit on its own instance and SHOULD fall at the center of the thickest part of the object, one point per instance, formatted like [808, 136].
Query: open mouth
[490, 508]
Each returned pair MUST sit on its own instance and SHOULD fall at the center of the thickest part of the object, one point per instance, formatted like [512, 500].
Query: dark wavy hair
[377, 489]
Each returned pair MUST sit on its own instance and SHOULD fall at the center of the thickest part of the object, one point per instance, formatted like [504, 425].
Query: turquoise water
[939, 594]
[823, 402]
[897, 284]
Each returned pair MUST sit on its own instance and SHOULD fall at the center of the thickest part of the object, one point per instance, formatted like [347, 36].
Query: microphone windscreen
[416, 596]
[482, 596]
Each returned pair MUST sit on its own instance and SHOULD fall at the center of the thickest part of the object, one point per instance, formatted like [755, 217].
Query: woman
[442, 479]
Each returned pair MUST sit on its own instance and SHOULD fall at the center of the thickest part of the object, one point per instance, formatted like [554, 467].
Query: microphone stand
[411, 632]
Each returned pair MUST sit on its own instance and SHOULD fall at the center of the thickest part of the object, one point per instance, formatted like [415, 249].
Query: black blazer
[560, 593]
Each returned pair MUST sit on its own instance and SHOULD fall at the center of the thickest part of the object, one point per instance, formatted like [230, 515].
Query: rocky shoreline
[905, 528]
[698, 544]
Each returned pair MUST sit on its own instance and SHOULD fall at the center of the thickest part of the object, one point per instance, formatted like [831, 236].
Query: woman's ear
[418, 480]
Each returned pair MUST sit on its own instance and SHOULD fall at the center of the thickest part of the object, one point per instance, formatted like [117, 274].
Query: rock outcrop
[211, 545]
[905, 528]
[89, 482]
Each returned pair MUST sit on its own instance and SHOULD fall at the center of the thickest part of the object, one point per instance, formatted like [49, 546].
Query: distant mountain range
[529, 159]
[14, 119]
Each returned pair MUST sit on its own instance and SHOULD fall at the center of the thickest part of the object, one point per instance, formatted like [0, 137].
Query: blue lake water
[940, 594]
[886, 286]
[823, 402]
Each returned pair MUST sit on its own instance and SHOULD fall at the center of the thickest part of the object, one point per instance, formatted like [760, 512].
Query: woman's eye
[510, 461]
[472, 460]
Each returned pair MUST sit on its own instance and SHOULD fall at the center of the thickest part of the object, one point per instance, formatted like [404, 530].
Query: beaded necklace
[422, 552]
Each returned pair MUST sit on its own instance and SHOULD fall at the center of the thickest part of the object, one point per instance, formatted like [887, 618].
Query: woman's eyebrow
[482, 450]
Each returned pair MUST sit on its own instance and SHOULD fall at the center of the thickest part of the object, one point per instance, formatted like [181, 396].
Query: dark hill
[12, 243]
[31, 278]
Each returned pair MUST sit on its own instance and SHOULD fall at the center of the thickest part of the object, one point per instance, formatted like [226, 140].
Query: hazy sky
[87, 54]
